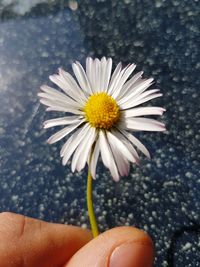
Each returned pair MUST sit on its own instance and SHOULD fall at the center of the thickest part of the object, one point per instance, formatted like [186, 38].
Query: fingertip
[136, 251]
[118, 247]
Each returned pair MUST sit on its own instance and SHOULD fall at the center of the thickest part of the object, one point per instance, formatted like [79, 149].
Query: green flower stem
[90, 207]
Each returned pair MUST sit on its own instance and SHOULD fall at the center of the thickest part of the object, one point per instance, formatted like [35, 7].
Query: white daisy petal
[123, 79]
[141, 87]
[129, 84]
[68, 86]
[90, 72]
[65, 156]
[62, 133]
[136, 142]
[114, 77]
[72, 87]
[79, 150]
[135, 112]
[57, 106]
[71, 145]
[61, 99]
[56, 79]
[94, 159]
[68, 143]
[97, 72]
[81, 77]
[140, 101]
[116, 81]
[137, 90]
[81, 154]
[61, 121]
[51, 99]
[104, 149]
[107, 74]
[52, 91]
[86, 80]
[143, 124]
[107, 156]
[143, 95]
[120, 146]
[122, 163]
[131, 90]
[129, 146]
[103, 65]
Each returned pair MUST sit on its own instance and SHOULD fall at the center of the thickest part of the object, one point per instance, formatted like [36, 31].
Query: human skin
[27, 242]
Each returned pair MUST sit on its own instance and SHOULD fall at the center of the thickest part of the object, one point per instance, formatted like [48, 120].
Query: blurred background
[163, 39]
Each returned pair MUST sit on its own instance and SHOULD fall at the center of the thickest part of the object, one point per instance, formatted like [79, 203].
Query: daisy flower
[101, 110]
[101, 114]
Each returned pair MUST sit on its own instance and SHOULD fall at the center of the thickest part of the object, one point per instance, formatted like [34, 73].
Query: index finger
[30, 242]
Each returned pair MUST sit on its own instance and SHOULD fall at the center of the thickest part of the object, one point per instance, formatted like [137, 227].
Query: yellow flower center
[101, 111]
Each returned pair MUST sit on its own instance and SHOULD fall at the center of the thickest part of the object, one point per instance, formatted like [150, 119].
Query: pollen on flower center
[101, 111]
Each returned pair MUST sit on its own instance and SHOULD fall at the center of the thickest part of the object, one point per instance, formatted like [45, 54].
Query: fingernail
[132, 255]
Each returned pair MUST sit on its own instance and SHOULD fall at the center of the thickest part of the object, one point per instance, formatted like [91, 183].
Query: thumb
[118, 247]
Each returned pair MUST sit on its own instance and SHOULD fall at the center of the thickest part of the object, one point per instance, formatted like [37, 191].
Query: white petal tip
[161, 111]
[137, 162]
[42, 87]
[164, 129]
[93, 174]
[52, 77]
[51, 140]
[64, 163]
[60, 70]
[88, 59]
[45, 126]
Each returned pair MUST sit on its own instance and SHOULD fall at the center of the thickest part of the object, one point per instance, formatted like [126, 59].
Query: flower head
[101, 110]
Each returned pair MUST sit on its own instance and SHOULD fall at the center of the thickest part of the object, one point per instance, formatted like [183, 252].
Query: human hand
[27, 242]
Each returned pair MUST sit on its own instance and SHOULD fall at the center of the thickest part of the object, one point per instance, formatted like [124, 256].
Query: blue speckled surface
[163, 39]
